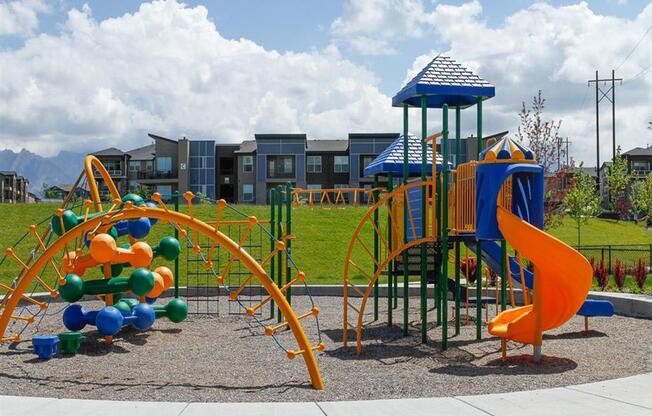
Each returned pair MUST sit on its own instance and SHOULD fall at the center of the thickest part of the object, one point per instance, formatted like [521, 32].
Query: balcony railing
[641, 172]
[157, 175]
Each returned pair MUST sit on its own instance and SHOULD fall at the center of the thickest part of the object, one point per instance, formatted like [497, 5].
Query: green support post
[390, 265]
[458, 153]
[376, 249]
[503, 275]
[279, 235]
[288, 242]
[406, 272]
[423, 289]
[478, 271]
[272, 243]
[444, 231]
[176, 259]
[437, 291]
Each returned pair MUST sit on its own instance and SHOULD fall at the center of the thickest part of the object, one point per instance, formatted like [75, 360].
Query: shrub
[601, 274]
[640, 273]
[620, 271]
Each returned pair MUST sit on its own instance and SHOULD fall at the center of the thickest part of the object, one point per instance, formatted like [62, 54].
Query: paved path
[630, 396]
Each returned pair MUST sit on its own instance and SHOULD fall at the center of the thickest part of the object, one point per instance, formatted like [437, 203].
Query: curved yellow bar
[195, 225]
[91, 162]
[562, 279]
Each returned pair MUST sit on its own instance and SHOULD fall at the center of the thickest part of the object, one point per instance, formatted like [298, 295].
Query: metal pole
[597, 130]
[424, 196]
[376, 249]
[444, 231]
[272, 243]
[390, 266]
[406, 173]
[288, 242]
[478, 272]
[176, 260]
[613, 113]
[458, 153]
[279, 236]
[437, 291]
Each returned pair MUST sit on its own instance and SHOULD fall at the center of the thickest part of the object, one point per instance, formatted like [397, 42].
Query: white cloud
[556, 49]
[370, 27]
[20, 17]
[167, 69]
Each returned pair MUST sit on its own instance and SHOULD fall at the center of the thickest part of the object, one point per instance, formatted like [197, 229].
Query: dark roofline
[268, 136]
[373, 135]
[157, 137]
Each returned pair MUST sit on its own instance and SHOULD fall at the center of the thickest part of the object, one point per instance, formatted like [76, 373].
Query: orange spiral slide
[562, 279]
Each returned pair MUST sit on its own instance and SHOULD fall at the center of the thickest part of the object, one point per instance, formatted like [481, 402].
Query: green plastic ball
[169, 248]
[73, 289]
[177, 310]
[136, 199]
[141, 281]
[116, 269]
[122, 306]
[70, 220]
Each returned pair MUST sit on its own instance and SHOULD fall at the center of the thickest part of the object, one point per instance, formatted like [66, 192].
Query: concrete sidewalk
[629, 396]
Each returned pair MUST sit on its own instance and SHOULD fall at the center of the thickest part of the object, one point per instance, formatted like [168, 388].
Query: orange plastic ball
[167, 275]
[142, 254]
[159, 286]
[102, 248]
[67, 263]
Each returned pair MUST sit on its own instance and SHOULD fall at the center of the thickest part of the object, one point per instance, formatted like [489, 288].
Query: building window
[134, 166]
[315, 195]
[280, 166]
[364, 162]
[114, 167]
[164, 164]
[314, 164]
[341, 164]
[247, 193]
[149, 166]
[247, 164]
[226, 165]
[640, 166]
[165, 191]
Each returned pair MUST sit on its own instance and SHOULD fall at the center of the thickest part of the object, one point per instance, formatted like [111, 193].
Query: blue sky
[325, 68]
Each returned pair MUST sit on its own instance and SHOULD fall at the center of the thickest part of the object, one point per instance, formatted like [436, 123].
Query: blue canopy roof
[391, 159]
[444, 81]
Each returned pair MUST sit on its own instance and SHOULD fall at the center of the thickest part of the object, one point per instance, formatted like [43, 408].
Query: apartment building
[246, 172]
[13, 188]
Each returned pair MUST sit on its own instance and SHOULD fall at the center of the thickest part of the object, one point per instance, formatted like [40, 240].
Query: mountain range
[63, 168]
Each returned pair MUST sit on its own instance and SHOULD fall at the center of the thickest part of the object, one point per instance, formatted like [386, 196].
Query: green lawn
[322, 236]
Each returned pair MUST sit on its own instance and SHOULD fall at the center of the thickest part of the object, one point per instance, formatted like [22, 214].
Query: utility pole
[567, 142]
[600, 94]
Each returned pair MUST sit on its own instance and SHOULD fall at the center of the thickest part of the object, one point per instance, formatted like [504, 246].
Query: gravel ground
[226, 358]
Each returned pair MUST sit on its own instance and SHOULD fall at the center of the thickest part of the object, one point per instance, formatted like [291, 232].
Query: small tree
[582, 201]
[48, 192]
[617, 180]
[541, 136]
[143, 191]
[640, 197]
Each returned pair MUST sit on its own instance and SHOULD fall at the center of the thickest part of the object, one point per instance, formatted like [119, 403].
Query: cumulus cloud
[20, 17]
[166, 68]
[370, 27]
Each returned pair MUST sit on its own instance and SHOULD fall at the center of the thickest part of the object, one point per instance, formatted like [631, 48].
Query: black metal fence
[627, 253]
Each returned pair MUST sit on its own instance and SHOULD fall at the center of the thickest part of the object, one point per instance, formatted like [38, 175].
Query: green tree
[142, 190]
[582, 201]
[640, 197]
[617, 181]
[48, 192]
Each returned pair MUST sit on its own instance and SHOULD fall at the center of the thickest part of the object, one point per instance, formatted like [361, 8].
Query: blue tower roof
[391, 159]
[444, 81]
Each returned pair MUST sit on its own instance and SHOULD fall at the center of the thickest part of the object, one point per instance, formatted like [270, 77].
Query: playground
[449, 284]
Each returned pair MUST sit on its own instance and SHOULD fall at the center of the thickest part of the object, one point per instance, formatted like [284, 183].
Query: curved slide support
[562, 278]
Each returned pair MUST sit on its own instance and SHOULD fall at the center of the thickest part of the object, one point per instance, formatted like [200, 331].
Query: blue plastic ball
[152, 221]
[140, 227]
[150, 300]
[73, 317]
[145, 317]
[109, 321]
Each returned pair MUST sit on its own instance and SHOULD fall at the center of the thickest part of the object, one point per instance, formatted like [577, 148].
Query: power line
[641, 72]
[635, 47]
